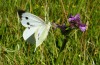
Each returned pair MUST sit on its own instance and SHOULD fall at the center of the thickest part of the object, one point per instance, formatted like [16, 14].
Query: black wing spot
[28, 23]
[26, 17]
[28, 27]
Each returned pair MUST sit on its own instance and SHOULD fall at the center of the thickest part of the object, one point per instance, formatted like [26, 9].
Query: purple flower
[82, 27]
[76, 22]
[74, 18]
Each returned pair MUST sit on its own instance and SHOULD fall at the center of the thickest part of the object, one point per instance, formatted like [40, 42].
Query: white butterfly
[36, 29]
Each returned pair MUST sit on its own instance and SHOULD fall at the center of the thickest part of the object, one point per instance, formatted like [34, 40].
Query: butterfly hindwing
[29, 32]
[42, 33]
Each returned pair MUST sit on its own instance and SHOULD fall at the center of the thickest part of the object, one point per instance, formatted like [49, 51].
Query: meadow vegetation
[73, 47]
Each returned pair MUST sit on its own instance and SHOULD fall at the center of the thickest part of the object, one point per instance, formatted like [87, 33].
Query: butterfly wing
[29, 20]
[28, 34]
[41, 34]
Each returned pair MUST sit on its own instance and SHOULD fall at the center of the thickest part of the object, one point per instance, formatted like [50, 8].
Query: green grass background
[78, 49]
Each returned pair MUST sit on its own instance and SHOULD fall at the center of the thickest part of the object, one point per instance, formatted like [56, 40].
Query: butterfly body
[36, 29]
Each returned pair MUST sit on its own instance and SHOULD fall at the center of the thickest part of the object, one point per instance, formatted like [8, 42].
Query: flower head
[82, 27]
[75, 19]
[76, 22]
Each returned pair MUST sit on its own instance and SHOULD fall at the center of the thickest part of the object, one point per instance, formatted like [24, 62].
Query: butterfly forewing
[33, 20]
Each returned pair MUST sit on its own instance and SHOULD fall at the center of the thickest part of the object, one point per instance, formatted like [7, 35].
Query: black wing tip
[20, 12]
